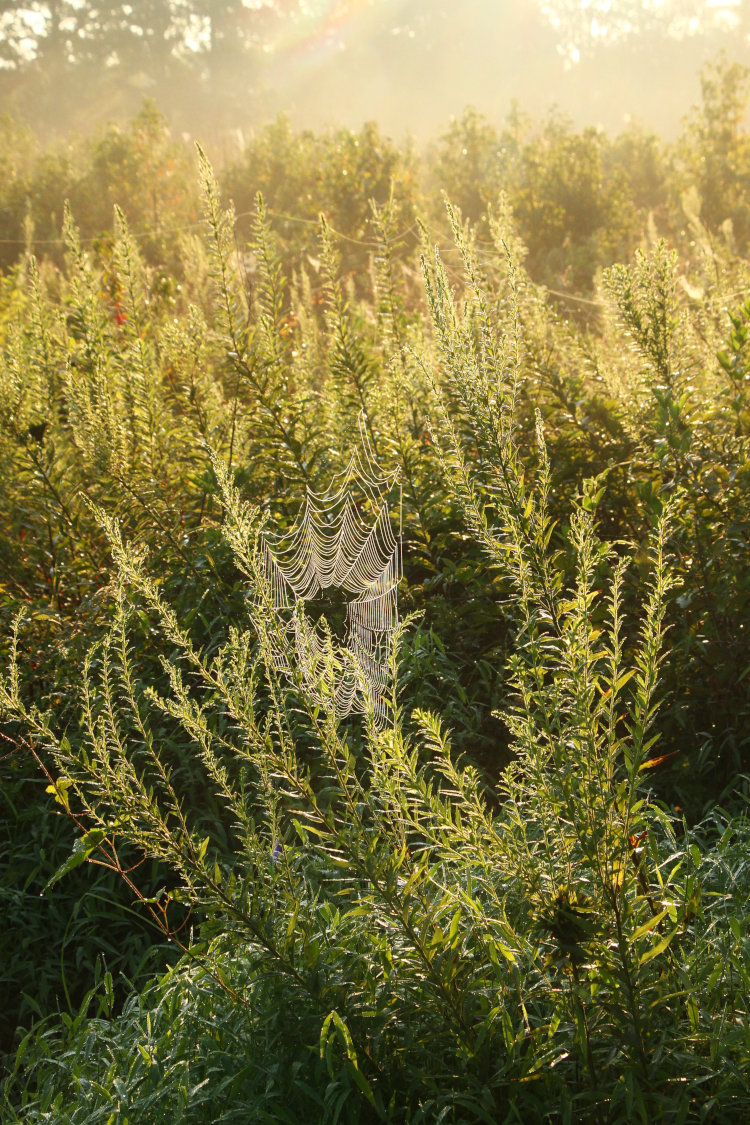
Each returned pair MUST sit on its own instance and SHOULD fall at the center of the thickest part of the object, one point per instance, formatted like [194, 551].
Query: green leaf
[292, 922]
[657, 949]
[59, 790]
[507, 953]
[362, 1082]
[693, 1011]
[82, 849]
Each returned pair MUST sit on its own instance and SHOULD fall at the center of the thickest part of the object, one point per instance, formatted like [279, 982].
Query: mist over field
[407, 64]
[412, 65]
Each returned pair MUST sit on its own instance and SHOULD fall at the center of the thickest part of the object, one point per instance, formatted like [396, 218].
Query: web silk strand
[332, 545]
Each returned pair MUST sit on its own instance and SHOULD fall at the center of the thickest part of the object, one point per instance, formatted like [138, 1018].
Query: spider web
[341, 540]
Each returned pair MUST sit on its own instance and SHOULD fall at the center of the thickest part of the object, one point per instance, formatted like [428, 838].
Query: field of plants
[516, 890]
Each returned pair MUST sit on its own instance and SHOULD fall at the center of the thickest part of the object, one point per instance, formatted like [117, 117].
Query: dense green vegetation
[527, 895]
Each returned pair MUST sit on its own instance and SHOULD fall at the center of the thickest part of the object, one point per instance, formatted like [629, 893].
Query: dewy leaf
[647, 926]
[82, 849]
[59, 790]
[658, 948]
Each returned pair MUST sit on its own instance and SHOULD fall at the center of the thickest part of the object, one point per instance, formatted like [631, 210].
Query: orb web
[341, 541]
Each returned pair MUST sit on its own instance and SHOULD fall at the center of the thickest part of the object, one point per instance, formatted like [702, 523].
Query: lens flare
[322, 28]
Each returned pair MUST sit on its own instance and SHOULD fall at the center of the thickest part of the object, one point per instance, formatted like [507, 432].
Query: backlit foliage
[518, 898]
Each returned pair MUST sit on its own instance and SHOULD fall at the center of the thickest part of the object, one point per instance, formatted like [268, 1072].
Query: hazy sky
[413, 63]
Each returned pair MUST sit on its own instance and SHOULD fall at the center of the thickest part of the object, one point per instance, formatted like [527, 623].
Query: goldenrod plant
[483, 903]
